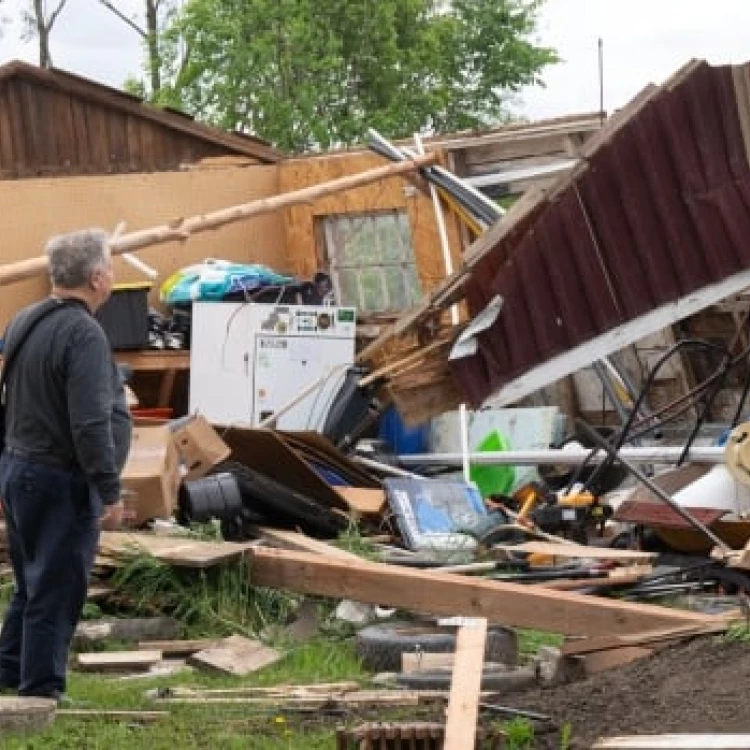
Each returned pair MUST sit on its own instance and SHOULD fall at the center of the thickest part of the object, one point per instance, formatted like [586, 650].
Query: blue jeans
[52, 520]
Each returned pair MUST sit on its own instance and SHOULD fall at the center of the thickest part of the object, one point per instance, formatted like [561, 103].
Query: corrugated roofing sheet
[658, 211]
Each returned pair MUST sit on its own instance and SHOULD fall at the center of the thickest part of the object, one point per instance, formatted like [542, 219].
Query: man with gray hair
[66, 440]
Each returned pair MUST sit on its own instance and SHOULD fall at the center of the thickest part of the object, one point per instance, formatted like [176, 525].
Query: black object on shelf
[124, 317]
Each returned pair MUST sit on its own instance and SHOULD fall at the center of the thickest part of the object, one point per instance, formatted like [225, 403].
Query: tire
[379, 647]
[497, 680]
[281, 505]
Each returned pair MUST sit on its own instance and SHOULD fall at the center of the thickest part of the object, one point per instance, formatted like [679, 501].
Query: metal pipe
[567, 457]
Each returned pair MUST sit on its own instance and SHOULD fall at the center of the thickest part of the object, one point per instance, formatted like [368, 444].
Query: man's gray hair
[74, 257]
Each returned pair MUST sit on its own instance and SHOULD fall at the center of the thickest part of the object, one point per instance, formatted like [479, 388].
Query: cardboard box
[152, 473]
[199, 447]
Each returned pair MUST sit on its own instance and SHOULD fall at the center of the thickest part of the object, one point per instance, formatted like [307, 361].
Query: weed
[566, 736]
[737, 631]
[529, 641]
[218, 600]
[519, 734]
[352, 541]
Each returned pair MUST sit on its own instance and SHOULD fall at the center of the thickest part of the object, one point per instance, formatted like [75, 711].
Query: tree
[157, 13]
[308, 74]
[38, 22]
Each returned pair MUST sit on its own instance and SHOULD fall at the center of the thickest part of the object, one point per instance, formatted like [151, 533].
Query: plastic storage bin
[402, 440]
[124, 316]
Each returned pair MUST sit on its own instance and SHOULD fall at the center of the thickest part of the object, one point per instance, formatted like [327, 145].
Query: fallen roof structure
[651, 226]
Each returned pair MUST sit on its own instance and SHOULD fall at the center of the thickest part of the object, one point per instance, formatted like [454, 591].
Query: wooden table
[168, 363]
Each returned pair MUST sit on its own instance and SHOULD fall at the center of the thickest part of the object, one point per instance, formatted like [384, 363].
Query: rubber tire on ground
[497, 680]
[280, 504]
[379, 647]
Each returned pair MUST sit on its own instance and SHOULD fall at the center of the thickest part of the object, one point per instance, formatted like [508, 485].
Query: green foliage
[308, 74]
[197, 726]
[737, 632]
[566, 736]
[218, 600]
[529, 641]
[519, 734]
[352, 541]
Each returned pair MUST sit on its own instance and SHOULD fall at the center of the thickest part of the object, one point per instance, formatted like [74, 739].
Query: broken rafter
[181, 229]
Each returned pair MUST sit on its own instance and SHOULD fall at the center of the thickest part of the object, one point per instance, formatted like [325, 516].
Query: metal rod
[568, 457]
[658, 491]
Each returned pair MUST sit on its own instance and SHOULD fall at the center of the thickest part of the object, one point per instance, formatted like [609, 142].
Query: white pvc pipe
[573, 457]
[463, 419]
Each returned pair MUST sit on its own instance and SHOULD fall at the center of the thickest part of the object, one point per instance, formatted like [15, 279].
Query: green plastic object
[493, 480]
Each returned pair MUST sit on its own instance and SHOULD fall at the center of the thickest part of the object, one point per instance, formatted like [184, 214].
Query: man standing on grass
[65, 443]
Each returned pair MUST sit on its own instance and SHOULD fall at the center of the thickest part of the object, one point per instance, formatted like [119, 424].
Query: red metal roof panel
[659, 212]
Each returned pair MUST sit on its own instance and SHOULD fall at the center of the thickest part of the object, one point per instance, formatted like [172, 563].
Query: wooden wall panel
[35, 209]
[394, 193]
[45, 131]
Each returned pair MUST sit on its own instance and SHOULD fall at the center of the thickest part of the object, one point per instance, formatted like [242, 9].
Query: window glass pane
[371, 280]
[412, 284]
[373, 259]
[349, 288]
[398, 291]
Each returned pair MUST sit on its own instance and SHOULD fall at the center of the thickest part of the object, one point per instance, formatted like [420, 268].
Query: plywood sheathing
[35, 209]
[305, 256]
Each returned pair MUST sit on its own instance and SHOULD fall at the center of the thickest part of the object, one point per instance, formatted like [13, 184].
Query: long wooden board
[466, 685]
[449, 594]
[117, 660]
[675, 742]
[576, 550]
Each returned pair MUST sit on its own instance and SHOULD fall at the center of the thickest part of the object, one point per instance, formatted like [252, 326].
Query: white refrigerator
[249, 360]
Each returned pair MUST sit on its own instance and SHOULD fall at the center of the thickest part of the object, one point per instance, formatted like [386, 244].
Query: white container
[716, 489]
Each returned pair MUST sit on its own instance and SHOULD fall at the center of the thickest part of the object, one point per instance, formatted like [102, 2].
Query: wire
[653, 422]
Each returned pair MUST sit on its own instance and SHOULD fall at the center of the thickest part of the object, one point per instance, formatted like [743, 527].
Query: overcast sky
[644, 41]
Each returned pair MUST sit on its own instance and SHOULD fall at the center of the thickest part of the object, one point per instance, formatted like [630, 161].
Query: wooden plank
[448, 594]
[179, 648]
[154, 360]
[107, 661]
[294, 540]
[354, 699]
[591, 645]
[189, 553]
[365, 501]
[674, 742]
[236, 655]
[95, 714]
[7, 154]
[576, 550]
[466, 683]
[616, 657]
[318, 689]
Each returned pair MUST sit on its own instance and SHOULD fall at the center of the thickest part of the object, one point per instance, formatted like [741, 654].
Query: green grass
[529, 642]
[202, 726]
[213, 603]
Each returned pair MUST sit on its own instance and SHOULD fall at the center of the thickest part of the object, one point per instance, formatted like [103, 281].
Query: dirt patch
[697, 686]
